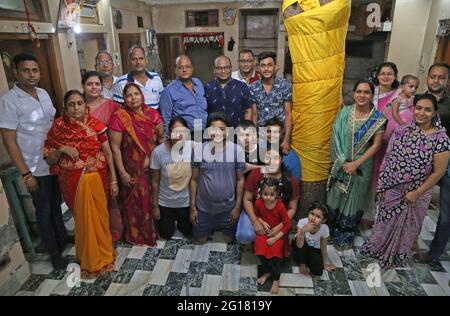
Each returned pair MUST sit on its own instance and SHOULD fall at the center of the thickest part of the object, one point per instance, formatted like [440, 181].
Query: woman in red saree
[134, 131]
[78, 151]
[102, 109]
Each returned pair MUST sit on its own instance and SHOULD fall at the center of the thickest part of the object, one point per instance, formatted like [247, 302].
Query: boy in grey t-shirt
[217, 182]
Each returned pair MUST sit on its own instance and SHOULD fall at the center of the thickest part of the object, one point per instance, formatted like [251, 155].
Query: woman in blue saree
[357, 136]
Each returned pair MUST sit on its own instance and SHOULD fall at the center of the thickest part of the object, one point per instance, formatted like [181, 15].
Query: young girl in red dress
[271, 248]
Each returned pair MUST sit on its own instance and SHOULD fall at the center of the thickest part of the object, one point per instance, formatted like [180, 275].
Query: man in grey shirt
[217, 182]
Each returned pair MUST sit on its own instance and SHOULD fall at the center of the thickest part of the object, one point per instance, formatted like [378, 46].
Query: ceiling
[168, 2]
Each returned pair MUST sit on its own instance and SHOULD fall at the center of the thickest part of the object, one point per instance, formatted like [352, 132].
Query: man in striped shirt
[150, 82]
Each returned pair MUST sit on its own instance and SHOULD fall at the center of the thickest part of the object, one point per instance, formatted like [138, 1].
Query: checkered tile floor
[179, 267]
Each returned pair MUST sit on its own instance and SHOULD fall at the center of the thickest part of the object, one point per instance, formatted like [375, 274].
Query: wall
[171, 19]
[410, 24]
[440, 10]
[16, 272]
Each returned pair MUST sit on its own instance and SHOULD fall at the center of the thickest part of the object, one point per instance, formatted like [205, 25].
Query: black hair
[285, 184]
[442, 65]
[427, 96]
[265, 55]
[371, 86]
[217, 116]
[246, 51]
[244, 124]
[320, 206]
[274, 121]
[69, 94]
[177, 119]
[268, 182]
[391, 65]
[90, 74]
[24, 57]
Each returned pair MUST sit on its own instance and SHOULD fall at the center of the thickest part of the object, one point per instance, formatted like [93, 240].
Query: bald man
[185, 97]
[228, 95]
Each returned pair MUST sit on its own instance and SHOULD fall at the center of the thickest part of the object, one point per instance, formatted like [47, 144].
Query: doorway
[13, 44]
[126, 41]
[88, 46]
[170, 47]
[202, 58]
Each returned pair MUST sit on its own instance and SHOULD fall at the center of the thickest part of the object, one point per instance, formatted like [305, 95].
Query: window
[15, 10]
[89, 14]
[202, 18]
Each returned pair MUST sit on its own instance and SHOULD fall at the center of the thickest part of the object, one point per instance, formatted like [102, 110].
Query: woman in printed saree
[135, 130]
[102, 109]
[357, 136]
[77, 149]
[417, 157]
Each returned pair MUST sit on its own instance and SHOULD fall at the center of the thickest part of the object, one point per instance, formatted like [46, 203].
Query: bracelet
[26, 174]
[114, 182]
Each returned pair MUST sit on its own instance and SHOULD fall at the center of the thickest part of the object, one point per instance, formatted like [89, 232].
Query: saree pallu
[93, 240]
[347, 194]
[397, 226]
[138, 141]
[408, 163]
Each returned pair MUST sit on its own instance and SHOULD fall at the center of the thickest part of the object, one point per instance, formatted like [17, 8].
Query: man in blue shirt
[228, 95]
[185, 97]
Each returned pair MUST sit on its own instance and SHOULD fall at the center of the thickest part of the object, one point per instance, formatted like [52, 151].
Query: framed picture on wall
[68, 14]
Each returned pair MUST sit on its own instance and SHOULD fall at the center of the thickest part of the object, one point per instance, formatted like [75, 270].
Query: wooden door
[169, 47]
[126, 41]
[443, 54]
[11, 45]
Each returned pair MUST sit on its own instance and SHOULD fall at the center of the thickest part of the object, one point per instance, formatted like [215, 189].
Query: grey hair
[103, 52]
[132, 48]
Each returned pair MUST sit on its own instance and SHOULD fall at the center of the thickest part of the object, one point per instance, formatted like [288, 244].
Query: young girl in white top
[310, 245]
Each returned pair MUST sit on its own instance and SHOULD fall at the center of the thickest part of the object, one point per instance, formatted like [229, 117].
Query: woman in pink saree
[134, 131]
[102, 109]
[386, 85]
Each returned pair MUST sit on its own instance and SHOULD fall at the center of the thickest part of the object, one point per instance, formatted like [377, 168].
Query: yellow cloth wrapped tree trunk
[317, 46]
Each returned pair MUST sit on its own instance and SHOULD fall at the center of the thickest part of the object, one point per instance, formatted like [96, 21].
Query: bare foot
[304, 269]
[262, 279]
[275, 287]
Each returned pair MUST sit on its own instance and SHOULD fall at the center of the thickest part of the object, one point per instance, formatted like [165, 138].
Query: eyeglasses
[184, 67]
[223, 68]
[105, 63]
[246, 61]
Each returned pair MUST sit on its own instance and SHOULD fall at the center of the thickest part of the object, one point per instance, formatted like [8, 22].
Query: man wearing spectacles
[105, 66]
[247, 68]
[228, 95]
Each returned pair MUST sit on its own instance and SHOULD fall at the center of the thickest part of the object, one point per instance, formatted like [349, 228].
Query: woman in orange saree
[78, 151]
[134, 131]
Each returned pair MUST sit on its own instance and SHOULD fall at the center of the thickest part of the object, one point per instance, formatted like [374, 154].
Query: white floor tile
[160, 244]
[249, 271]
[442, 279]
[47, 287]
[121, 255]
[161, 272]
[295, 280]
[210, 285]
[304, 291]
[201, 253]
[138, 283]
[433, 290]
[191, 291]
[334, 257]
[137, 252]
[230, 277]
[41, 267]
[182, 261]
[116, 289]
[218, 246]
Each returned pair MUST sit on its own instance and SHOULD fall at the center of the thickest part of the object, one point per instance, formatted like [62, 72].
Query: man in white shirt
[150, 83]
[27, 114]
[105, 66]
[247, 68]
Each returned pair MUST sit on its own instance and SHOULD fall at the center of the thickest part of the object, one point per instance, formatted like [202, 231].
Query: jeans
[442, 234]
[47, 202]
[245, 233]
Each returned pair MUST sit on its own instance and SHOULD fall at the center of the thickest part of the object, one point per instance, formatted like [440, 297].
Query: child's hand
[271, 241]
[329, 267]
[308, 228]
